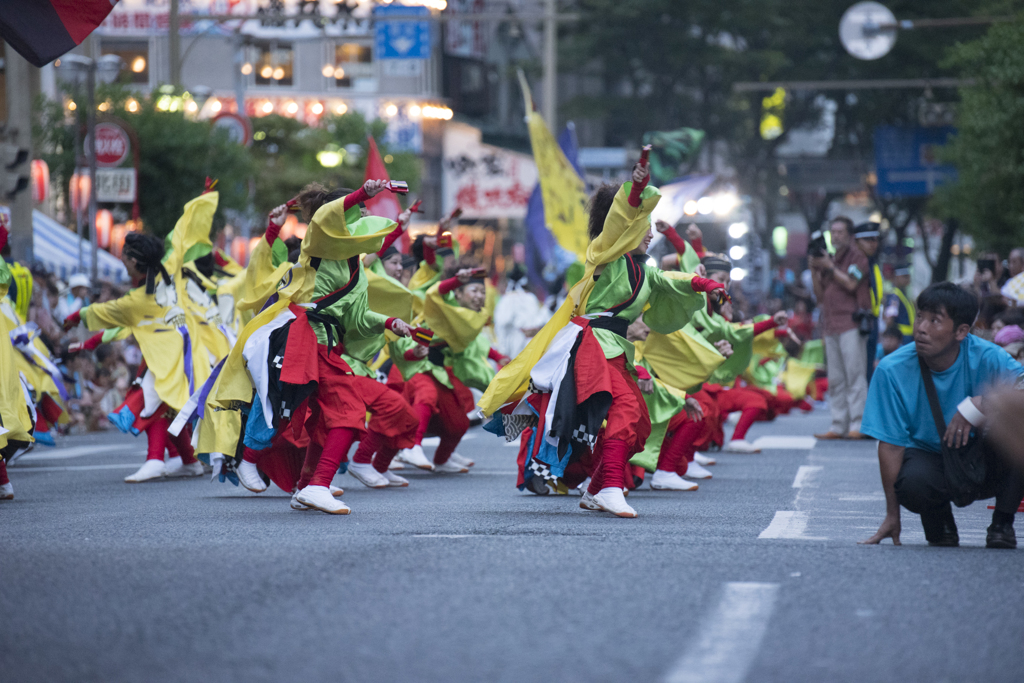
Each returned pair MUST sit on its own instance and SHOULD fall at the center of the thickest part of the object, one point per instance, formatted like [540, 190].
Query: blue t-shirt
[897, 410]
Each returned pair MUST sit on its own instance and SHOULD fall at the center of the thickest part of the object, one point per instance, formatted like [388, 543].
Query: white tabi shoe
[249, 477]
[172, 464]
[670, 481]
[194, 469]
[320, 497]
[415, 457]
[296, 504]
[582, 488]
[396, 464]
[7, 492]
[395, 480]
[695, 470]
[337, 492]
[449, 467]
[587, 502]
[611, 500]
[705, 460]
[364, 472]
[459, 460]
[741, 446]
[151, 469]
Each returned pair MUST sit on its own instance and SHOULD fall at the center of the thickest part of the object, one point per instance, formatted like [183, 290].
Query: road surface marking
[730, 636]
[447, 535]
[38, 454]
[789, 524]
[788, 442]
[804, 475]
[69, 468]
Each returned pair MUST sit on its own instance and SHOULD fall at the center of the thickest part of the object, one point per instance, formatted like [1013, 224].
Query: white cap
[78, 280]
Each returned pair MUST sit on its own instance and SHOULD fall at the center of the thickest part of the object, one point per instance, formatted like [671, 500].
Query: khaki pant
[846, 356]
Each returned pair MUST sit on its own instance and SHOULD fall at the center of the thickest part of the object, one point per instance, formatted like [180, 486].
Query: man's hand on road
[890, 528]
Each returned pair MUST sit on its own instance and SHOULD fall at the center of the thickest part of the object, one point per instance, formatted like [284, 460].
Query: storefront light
[738, 273]
[738, 230]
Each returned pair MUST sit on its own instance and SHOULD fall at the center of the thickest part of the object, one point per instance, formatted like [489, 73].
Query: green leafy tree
[176, 154]
[987, 200]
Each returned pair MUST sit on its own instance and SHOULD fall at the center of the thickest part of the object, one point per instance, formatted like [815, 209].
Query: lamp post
[106, 68]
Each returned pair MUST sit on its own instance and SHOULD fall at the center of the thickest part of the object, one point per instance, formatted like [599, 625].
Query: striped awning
[56, 249]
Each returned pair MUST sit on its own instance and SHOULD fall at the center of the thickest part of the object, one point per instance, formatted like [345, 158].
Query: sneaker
[670, 481]
[151, 469]
[7, 492]
[459, 460]
[320, 497]
[395, 480]
[587, 502]
[337, 492]
[364, 472]
[611, 500]
[999, 536]
[940, 527]
[249, 477]
[415, 457]
[296, 504]
[741, 446]
[695, 471]
[194, 469]
[705, 460]
[450, 467]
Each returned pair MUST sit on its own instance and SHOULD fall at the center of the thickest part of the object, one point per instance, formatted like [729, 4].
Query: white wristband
[971, 412]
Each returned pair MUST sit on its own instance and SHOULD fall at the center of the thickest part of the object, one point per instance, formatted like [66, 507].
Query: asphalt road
[755, 577]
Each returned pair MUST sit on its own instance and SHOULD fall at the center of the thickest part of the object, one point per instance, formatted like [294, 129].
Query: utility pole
[90, 88]
[174, 43]
[22, 84]
[551, 66]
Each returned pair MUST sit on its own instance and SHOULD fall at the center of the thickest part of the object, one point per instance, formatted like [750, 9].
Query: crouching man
[899, 415]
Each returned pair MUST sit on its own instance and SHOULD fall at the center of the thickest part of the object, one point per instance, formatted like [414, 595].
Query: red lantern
[104, 223]
[40, 181]
[78, 191]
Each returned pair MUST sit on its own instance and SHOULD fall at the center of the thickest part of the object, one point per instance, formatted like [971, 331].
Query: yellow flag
[564, 192]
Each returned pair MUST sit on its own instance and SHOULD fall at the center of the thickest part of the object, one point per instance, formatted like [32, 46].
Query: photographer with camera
[841, 287]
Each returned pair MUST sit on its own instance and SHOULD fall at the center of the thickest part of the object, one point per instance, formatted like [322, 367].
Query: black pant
[872, 342]
[921, 484]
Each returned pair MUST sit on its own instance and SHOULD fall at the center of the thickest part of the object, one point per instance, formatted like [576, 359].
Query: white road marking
[788, 442]
[805, 474]
[38, 454]
[789, 524]
[730, 636]
[447, 535]
[69, 468]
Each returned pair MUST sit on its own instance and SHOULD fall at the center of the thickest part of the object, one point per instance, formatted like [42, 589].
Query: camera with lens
[817, 247]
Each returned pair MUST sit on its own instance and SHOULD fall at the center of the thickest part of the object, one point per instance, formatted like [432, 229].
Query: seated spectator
[1010, 316]
[898, 415]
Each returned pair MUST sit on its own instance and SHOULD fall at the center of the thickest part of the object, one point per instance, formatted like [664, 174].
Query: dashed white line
[730, 636]
[805, 474]
[788, 442]
[789, 524]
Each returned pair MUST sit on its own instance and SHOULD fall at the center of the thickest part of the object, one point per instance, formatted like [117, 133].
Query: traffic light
[15, 169]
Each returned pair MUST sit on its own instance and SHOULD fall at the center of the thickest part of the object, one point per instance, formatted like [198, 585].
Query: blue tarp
[56, 248]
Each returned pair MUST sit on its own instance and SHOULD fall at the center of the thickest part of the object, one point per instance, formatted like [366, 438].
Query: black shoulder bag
[964, 466]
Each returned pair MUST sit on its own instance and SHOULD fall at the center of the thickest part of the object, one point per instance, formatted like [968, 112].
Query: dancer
[175, 362]
[591, 352]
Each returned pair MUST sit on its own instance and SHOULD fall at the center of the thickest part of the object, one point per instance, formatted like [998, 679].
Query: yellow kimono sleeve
[261, 278]
[126, 311]
[190, 238]
[797, 376]
[458, 326]
[328, 236]
[680, 359]
[423, 277]
[388, 296]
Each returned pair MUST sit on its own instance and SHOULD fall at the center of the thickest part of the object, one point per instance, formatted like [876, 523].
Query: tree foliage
[988, 151]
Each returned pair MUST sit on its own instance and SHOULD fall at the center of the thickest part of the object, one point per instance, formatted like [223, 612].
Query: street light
[106, 69]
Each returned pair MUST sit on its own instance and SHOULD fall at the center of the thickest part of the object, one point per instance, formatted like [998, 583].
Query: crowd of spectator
[96, 380]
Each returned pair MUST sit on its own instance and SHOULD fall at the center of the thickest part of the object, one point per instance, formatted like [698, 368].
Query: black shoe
[537, 485]
[1001, 536]
[940, 528]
